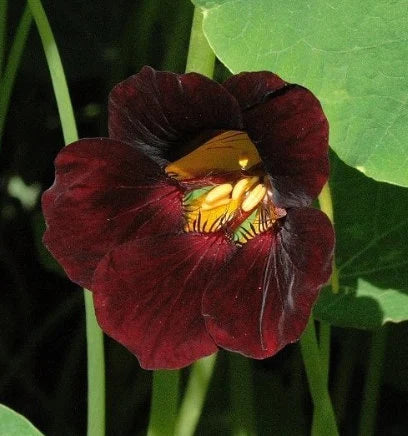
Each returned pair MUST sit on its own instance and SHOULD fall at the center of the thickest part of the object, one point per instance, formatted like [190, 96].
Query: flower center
[242, 209]
[239, 202]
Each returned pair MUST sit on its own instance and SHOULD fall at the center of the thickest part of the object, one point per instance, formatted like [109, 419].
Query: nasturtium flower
[192, 223]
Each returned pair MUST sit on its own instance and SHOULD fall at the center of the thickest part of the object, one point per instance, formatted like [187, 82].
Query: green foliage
[366, 307]
[208, 4]
[372, 252]
[14, 424]
[65, 110]
[352, 55]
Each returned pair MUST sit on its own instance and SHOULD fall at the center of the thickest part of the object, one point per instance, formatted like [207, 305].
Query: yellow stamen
[216, 207]
[239, 189]
[243, 186]
[221, 202]
[218, 193]
[254, 198]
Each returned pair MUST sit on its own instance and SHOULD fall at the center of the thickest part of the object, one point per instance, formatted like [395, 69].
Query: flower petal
[105, 192]
[251, 89]
[262, 299]
[290, 131]
[157, 111]
[148, 292]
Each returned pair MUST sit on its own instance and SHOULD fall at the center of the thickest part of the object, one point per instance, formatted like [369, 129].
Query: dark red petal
[262, 299]
[148, 292]
[105, 192]
[156, 111]
[251, 89]
[290, 131]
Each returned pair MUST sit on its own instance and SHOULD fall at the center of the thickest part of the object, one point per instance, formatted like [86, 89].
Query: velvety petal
[253, 88]
[288, 126]
[148, 292]
[158, 111]
[105, 192]
[261, 300]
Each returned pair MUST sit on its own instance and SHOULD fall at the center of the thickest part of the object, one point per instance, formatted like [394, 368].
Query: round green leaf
[14, 424]
[352, 55]
[372, 252]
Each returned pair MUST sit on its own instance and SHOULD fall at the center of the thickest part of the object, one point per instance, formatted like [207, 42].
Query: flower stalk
[372, 386]
[324, 421]
[95, 351]
[96, 371]
[194, 396]
[200, 58]
[242, 395]
[163, 410]
[326, 205]
[59, 83]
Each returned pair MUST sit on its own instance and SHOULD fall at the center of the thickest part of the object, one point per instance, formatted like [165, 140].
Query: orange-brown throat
[230, 151]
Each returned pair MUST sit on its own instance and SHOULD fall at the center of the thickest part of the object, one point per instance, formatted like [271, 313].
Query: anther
[254, 198]
[218, 193]
[239, 189]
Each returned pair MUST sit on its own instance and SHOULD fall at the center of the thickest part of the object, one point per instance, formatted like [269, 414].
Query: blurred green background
[42, 339]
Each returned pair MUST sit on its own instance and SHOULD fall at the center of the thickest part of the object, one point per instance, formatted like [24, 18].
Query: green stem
[372, 384]
[95, 351]
[96, 371]
[3, 32]
[343, 379]
[134, 43]
[325, 422]
[163, 410]
[193, 401]
[59, 82]
[242, 396]
[326, 205]
[13, 62]
[173, 59]
[201, 58]
[324, 347]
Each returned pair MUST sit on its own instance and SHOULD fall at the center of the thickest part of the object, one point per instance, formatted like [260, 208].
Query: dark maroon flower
[192, 223]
